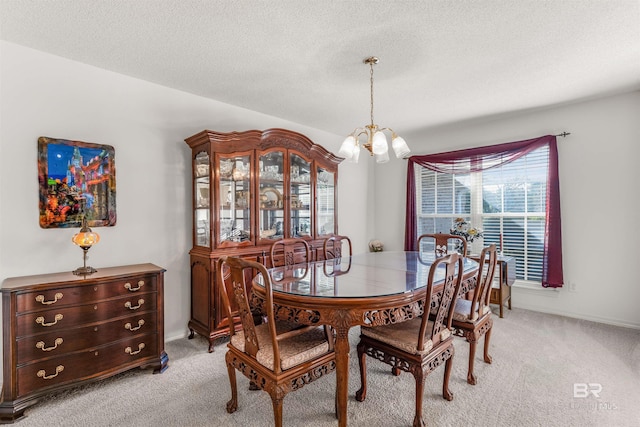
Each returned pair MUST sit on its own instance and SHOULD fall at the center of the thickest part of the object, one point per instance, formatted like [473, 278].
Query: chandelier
[376, 141]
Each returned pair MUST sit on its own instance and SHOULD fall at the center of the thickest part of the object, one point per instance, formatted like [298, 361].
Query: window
[510, 190]
[507, 200]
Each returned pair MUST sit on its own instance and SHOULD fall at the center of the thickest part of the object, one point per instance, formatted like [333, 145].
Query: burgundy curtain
[483, 158]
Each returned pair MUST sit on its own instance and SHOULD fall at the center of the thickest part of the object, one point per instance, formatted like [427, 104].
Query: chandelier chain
[371, 84]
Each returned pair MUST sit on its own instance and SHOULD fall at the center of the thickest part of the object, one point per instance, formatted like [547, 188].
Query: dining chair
[277, 356]
[472, 317]
[441, 243]
[419, 345]
[290, 251]
[333, 246]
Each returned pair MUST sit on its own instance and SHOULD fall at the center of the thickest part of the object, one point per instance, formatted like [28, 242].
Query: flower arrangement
[462, 227]
[376, 246]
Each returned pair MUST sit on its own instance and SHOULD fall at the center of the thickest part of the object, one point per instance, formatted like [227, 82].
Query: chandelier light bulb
[356, 154]
[347, 148]
[382, 158]
[379, 143]
[400, 146]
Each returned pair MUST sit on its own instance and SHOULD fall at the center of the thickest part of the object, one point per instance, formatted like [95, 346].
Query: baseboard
[598, 319]
[532, 289]
[176, 336]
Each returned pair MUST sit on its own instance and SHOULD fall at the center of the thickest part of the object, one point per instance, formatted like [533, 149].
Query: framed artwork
[77, 179]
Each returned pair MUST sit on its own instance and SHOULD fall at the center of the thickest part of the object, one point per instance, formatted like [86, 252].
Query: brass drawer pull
[128, 325]
[40, 320]
[57, 342]
[56, 297]
[128, 286]
[130, 307]
[43, 374]
[131, 352]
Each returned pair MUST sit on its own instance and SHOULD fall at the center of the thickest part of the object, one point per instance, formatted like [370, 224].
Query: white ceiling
[441, 61]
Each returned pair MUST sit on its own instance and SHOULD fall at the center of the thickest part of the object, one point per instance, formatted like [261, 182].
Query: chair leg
[471, 379]
[277, 410]
[446, 393]
[362, 393]
[419, 377]
[487, 338]
[232, 404]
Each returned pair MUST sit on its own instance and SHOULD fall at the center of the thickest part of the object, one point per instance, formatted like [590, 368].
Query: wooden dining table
[368, 289]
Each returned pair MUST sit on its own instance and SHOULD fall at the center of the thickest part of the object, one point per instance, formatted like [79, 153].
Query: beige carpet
[537, 359]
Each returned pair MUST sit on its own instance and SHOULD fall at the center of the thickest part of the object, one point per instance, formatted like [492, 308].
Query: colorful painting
[76, 179]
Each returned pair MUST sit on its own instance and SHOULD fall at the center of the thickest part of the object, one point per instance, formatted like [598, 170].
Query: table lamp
[85, 238]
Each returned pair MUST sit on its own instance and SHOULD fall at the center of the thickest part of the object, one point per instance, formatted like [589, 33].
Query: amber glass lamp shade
[85, 238]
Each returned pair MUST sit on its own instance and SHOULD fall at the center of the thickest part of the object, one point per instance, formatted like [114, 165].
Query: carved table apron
[368, 289]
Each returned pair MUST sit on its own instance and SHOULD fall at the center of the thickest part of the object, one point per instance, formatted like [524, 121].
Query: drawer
[49, 298]
[91, 363]
[53, 344]
[56, 319]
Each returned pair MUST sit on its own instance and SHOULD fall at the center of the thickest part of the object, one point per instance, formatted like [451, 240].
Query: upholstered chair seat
[462, 311]
[294, 350]
[405, 335]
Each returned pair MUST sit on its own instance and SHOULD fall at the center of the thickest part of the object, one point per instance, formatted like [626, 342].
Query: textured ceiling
[440, 61]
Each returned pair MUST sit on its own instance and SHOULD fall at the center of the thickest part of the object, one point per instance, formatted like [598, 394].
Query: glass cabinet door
[325, 187]
[271, 221]
[235, 200]
[202, 200]
[300, 196]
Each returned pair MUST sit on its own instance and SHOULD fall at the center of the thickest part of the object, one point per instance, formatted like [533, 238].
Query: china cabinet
[250, 189]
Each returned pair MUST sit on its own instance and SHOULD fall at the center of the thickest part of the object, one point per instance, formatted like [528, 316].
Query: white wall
[45, 95]
[599, 207]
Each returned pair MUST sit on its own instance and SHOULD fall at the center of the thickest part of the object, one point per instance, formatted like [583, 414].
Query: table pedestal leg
[342, 372]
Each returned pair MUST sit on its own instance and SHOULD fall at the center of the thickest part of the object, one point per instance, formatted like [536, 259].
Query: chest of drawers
[60, 330]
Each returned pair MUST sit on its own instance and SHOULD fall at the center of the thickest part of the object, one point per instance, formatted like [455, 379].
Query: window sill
[536, 287]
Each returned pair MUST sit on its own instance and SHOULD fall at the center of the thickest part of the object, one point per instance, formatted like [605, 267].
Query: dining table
[368, 289]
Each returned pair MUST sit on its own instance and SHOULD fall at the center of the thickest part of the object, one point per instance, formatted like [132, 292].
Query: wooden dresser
[60, 330]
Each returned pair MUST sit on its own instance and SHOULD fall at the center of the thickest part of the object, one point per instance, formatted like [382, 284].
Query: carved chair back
[234, 274]
[486, 270]
[441, 243]
[333, 246]
[287, 252]
[443, 311]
